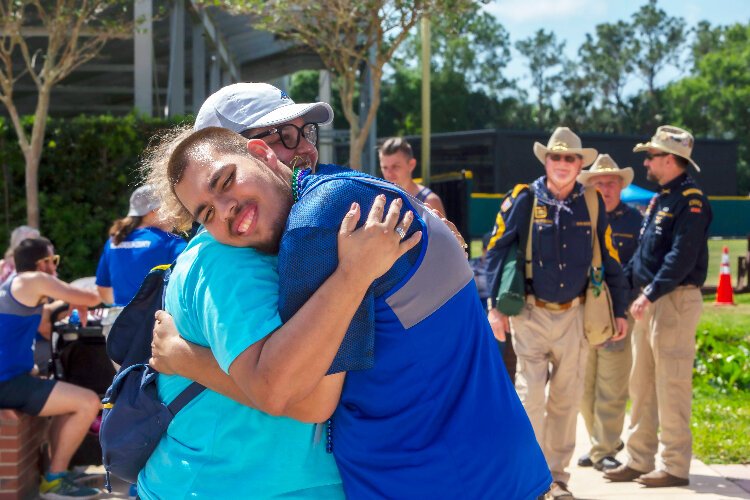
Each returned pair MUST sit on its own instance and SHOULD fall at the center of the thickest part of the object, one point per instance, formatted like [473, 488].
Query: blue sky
[572, 19]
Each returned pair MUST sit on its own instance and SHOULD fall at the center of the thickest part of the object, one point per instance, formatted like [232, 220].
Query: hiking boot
[607, 463]
[558, 489]
[62, 488]
[585, 460]
[622, 474]
[661, 479]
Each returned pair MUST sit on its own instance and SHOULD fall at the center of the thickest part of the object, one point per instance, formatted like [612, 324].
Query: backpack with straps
[134, 418]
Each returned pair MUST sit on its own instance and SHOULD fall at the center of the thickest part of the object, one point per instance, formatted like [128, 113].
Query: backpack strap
[529, 268]
[592, 203]
[187, 395]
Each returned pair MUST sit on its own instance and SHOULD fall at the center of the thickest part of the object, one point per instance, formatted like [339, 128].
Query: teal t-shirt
[226, 298]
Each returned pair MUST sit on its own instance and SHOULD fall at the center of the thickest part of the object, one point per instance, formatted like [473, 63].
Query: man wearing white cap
[262, 111]
[668, 268]
[550, 328]
[605, 388]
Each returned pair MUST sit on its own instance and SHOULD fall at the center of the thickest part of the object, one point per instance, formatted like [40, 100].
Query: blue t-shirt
[226, 298]
[123, 266]
[18, 325]
[427, 410]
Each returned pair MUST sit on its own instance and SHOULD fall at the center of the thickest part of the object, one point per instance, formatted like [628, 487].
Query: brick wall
[20, 439]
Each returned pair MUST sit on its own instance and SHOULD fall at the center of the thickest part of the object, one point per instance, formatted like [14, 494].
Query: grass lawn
[721, 416]
[737, 248]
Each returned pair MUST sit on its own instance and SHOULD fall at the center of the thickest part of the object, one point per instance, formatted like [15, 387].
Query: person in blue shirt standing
[605, 392]
[668, 269]
[422, 412]
[550, 330]
[136, 244]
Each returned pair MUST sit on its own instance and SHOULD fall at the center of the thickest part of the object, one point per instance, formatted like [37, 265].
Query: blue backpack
[134, 418]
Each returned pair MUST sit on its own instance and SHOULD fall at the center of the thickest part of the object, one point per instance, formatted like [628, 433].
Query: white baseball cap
[143, 200]
[243, 106]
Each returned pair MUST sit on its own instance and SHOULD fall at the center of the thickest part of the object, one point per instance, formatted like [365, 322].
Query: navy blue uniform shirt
[673, 250]
[561, 244]
[626, 224]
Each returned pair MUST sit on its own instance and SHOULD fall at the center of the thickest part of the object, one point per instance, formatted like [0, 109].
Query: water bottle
[74, 323]
[75, 318]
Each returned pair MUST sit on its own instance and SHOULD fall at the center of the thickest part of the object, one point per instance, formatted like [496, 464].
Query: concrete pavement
[706, 482]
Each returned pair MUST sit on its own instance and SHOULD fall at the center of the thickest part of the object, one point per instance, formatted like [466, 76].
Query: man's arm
[435, 202]
[284, 368]
[511, 220]
[171, 354]
[279, 370]
[30, 287]
[106, 293]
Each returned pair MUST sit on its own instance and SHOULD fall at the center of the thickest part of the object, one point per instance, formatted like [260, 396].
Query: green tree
[607, 61]
[75, 31]
[660, 41]
[546, 63]
[350, 37]
[715, 100]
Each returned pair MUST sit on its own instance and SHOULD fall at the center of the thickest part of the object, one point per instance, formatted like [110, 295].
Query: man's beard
[651, 177]
[271, 246]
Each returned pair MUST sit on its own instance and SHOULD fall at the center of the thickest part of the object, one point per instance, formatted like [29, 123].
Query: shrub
[86, 175]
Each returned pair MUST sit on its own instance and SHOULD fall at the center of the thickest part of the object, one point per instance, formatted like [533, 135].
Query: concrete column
[325, 142]
[199, 67]
[176, 88]
[214, 73]
[143, 57]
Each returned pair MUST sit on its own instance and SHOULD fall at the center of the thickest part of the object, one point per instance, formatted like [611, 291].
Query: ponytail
[123, 227]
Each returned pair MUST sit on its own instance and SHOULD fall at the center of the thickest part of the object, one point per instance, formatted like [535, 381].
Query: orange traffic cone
[724, 293]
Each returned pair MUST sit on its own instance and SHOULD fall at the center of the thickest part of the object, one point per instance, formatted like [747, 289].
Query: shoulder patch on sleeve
[690, 191]
[507, 203]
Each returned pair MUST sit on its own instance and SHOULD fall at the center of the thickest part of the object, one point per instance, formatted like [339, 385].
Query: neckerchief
[544, 196]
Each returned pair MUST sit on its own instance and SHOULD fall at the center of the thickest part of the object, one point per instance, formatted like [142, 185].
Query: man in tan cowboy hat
[668, 267]
[550, 327]
[605, 388]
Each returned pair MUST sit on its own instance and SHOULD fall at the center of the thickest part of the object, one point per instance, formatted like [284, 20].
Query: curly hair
[154, 168]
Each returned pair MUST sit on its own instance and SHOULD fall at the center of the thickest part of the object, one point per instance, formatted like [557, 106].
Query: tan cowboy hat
[673, 140]
[563, 141]
[605, 165]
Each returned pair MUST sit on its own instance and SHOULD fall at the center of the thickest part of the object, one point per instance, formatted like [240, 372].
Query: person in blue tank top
[422, 412]
[137, 243]
[22, 297]
[397, 163]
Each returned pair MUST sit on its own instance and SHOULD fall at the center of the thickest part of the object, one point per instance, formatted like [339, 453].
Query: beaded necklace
[297, 175]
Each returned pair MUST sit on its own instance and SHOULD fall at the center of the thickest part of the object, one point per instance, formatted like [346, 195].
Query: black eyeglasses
[290, 134]
[651, 156]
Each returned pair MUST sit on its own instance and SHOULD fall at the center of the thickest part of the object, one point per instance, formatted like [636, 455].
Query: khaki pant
[661, 383]
[605, 395]
[544, 339]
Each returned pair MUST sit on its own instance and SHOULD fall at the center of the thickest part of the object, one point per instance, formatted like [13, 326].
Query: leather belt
[555, 306]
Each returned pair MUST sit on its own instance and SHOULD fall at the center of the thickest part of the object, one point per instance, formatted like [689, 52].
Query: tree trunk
[33, 155]
[355, 148]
